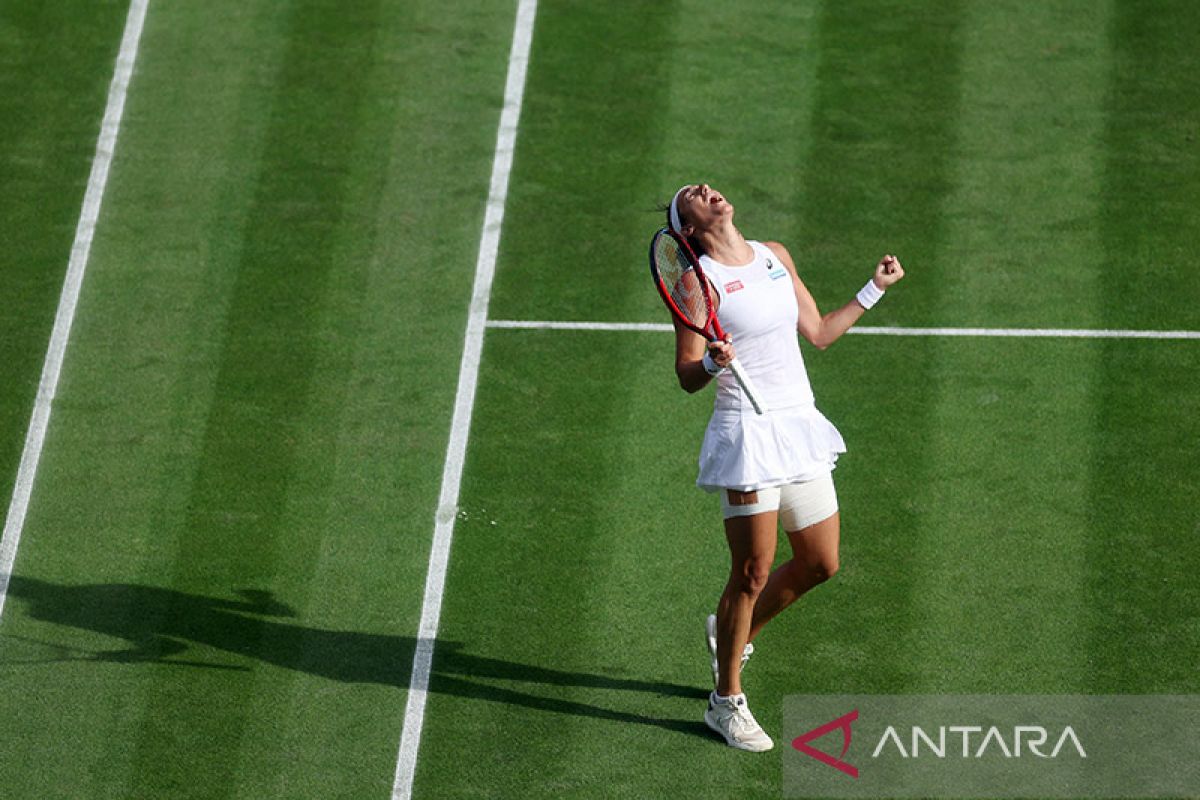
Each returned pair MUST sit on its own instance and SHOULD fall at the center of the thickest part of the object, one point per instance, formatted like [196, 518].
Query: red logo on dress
[733, 286]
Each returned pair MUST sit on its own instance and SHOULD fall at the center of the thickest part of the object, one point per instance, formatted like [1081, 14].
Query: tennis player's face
[704, 207]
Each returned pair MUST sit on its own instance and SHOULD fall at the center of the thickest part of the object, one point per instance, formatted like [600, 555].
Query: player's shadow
[161, 625]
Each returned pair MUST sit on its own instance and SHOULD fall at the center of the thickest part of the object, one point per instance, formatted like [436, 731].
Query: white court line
[580, 326]
[1034, 333]
[1053, 333]
[464, 401]
[106, 145]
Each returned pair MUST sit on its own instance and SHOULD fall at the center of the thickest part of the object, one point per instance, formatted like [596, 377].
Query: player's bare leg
[752, 550]
[814, 560]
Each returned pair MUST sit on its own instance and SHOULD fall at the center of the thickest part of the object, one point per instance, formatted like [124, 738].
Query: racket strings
[681, 281]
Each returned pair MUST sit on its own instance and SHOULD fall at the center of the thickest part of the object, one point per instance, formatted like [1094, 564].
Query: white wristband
[869, 295]
[709, 365]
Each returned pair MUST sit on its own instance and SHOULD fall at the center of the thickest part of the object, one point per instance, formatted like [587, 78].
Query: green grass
[55, 65]
[220, 577]
[253, 401]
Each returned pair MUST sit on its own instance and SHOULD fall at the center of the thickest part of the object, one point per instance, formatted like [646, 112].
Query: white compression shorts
[799, 504]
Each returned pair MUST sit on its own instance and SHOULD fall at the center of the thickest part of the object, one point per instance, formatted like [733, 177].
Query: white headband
[676, 224]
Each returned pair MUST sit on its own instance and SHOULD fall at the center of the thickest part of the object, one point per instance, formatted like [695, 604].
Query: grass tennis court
[219, 581]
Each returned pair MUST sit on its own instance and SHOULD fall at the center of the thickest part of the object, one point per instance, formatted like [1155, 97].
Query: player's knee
[832, 568]
[753, 576]
[823, 569]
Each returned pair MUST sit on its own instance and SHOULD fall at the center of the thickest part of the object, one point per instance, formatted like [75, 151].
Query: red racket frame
[712, 329]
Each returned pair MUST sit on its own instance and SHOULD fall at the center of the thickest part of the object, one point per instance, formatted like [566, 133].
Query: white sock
[718, 698]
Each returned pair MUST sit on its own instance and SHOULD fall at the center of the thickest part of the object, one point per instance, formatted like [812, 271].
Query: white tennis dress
[793, 441]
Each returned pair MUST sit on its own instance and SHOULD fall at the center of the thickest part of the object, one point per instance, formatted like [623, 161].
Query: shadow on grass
[162, 624]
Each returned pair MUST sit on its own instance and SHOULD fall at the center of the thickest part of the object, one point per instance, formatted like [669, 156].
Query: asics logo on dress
[733, 286]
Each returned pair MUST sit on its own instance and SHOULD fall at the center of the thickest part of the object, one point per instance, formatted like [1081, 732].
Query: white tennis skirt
[748, 451]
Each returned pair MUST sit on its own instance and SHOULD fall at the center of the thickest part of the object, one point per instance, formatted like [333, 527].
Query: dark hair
[693, 242]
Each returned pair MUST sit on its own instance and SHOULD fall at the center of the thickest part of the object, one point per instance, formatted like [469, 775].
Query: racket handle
[747, 385]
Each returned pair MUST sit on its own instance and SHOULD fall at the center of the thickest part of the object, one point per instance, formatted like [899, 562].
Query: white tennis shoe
[732, 719]
[710, 638]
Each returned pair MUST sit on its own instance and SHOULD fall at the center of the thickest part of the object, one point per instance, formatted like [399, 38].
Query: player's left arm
[822, 330]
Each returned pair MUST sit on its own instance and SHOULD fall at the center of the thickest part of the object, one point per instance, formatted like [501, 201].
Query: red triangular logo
[843, 722]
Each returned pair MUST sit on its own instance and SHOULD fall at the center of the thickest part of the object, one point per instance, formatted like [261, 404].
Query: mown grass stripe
[233, 532]
[81, 249]
[1143, 494]
[877, 166]
[1001, 536]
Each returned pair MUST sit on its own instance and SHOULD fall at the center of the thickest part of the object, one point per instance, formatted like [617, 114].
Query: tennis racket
[685, 289]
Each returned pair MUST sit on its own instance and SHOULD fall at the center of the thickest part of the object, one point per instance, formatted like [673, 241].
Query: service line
[1052, 333]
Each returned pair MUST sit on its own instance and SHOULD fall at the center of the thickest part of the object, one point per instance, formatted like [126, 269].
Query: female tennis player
[770, 469]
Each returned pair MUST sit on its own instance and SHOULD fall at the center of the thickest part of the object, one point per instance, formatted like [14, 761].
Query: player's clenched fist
[888, 271]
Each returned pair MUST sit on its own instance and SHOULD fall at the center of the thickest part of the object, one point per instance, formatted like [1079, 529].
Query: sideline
[464, 402]
[81, 250]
